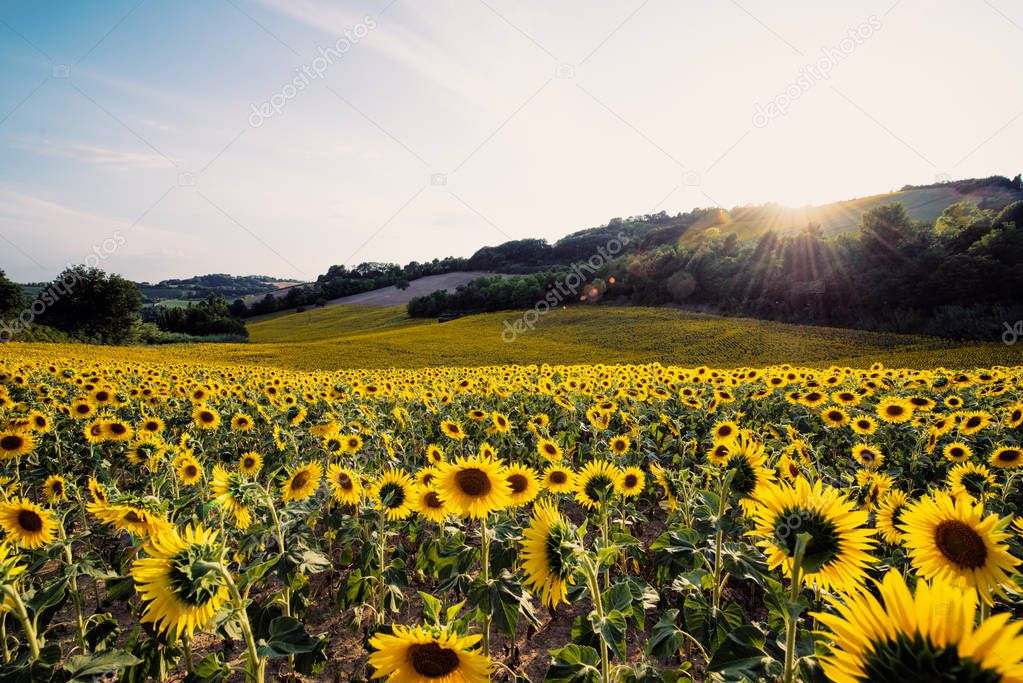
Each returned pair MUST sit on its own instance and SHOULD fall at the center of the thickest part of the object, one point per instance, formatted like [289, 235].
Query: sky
[169, 138]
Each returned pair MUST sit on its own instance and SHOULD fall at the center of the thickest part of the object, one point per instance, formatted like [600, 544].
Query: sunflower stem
[257, 664]
[719, 539]
[485, 570]
[382, 559]
[76, 597]
[593, 583]
[791, 616]
[21, 614]
[3, 637]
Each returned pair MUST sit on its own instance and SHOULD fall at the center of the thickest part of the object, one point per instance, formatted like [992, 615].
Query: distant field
[373, 337]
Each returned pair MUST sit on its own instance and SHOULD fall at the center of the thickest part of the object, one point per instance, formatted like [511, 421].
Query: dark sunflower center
[300, 480]
[973, 422]
[353, 443]
[11, 442]
[956, 452]
[895, 411]
[915, 659]
[133, 517]
[958, 542]
[835, 416]
[206, 417]
[118, 428]
[344, 481]
[1009, 455]
[550, 449]
[823, 545]
[392, 495]
[433, 500]
[250, 463]
[83, 409]
[518, 483]
[724, 431]
[191, 471]
[58, 488]
[30, 521]
[867, 455]
[631, 480]
[473, 482]
[431, 660]
[558, 477]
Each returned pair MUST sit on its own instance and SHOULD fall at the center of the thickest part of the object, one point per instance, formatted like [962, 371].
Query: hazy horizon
[280, 137]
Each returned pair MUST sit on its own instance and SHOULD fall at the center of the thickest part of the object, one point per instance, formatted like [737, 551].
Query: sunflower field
[196, 521]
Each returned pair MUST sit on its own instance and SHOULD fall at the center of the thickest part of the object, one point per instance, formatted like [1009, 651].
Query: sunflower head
[596, 483]
[412, 655]
[302, 482]
[837, 551]
[179, 582]
[27, 525]
[549, 549]
[474, 487]
[926, 635]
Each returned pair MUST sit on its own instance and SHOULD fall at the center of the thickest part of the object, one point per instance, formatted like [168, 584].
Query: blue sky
[127, 128]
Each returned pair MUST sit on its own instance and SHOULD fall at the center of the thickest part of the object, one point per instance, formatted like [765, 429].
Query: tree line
[956, 277]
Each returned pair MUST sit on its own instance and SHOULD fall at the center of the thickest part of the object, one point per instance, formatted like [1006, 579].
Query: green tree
[93, 306]
[11, 299]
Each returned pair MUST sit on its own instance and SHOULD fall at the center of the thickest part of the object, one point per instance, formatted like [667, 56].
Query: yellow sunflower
[250, 463]
[452, 430]
[474, 487]
[838, 553]
[205, 417]
[620, 444]
[895, 410]
[547, 555]
[725, 430]
[419, 655]
[951, 540]
[834, 417]
[435, 454]
[55, 488]
[188, 469]
[28, 525]
[548, 450]
[242, 422]
[226, 488]
[595, 484]
[631, 482]
[928, 635]
[864, 425]
[524, 483]
[302, 482]
[973, 481]
[344, 484]
[889, 515]
[429, 505]
[15, 443]
[973, 422]
[181, 594]
[559, 479]
[394, 492]
[957, 452]
[868, 456]
[1006, 457]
